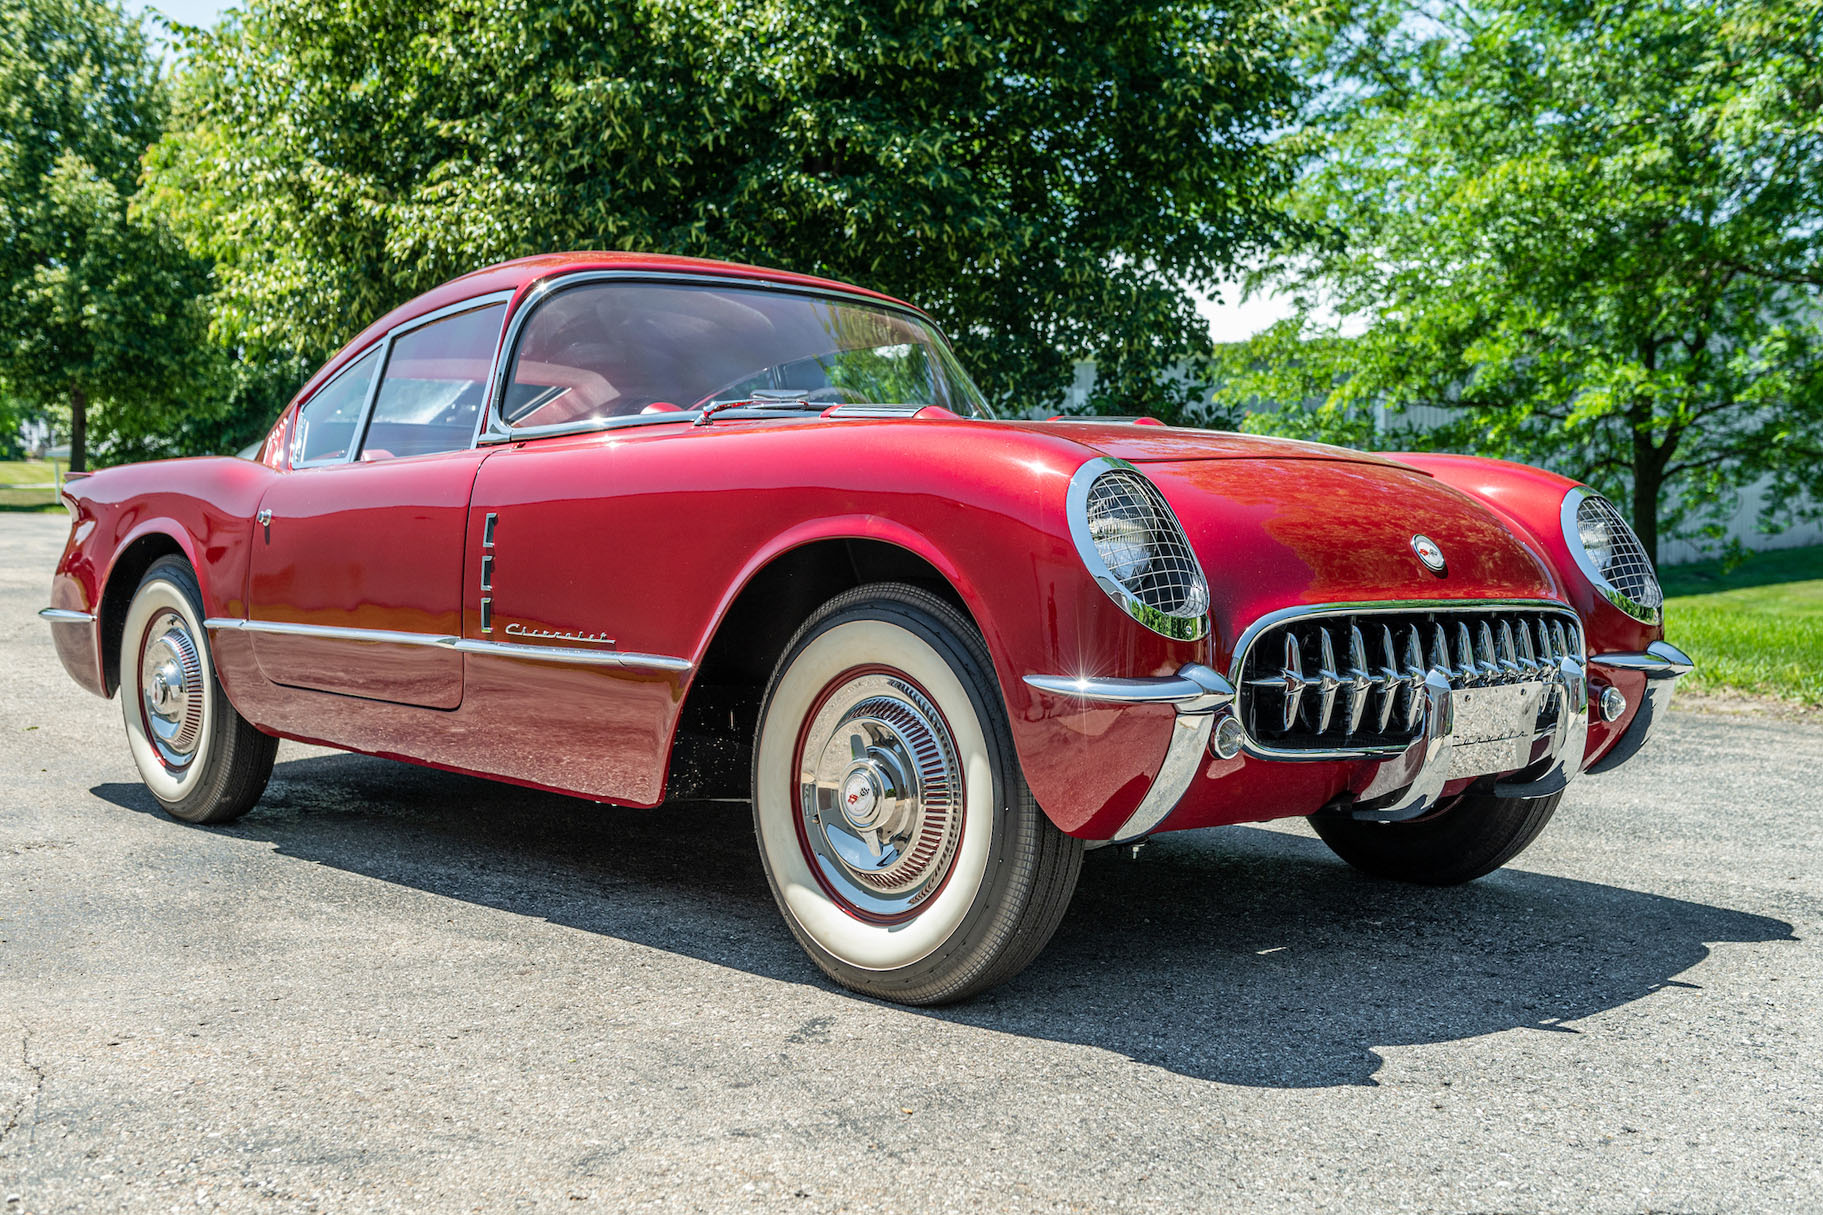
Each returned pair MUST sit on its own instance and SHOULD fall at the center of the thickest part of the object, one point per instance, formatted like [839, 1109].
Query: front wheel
[1467, 839]
[201, 759]
[896, 829]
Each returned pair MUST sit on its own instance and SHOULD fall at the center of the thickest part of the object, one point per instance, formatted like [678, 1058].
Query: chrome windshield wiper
[762, 398]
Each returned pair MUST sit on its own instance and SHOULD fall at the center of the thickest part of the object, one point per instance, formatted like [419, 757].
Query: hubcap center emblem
[860, 800]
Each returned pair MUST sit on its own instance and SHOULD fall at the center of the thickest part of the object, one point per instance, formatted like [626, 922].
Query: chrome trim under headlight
[1202, 698]
[1624, 575]
[1132, 544]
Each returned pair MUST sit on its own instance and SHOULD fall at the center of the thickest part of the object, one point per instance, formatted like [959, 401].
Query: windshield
[618, 349]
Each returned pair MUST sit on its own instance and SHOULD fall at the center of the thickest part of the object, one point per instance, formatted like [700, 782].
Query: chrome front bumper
[1409, 783]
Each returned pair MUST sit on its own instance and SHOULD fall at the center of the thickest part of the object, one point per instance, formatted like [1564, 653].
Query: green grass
[17, 475]
[1757, 628]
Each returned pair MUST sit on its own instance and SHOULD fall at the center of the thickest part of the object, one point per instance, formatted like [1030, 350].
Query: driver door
[358, 549]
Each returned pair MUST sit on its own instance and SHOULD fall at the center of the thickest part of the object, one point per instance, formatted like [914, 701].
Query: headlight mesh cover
[1140, 540]
[1617, 552]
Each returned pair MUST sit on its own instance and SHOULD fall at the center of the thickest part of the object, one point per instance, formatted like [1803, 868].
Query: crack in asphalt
[31, 1094]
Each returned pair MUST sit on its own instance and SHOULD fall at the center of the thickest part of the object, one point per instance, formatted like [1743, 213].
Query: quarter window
[435, 381]
[326, 424]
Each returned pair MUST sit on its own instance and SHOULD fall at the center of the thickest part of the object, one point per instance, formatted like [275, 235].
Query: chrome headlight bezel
[1187, 619]
[1647, 607]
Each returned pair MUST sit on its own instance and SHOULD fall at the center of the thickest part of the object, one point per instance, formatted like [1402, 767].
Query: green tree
[98, 305]
[1043, 175]
[1587, 232]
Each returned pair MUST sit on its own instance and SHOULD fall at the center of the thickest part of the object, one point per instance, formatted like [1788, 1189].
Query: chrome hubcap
[880, 791]
[171, 689]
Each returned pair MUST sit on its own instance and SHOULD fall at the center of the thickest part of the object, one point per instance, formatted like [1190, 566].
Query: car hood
[1145, 444]
[1277, 533]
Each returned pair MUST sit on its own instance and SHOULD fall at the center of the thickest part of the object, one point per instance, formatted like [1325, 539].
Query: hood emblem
[1429, 553]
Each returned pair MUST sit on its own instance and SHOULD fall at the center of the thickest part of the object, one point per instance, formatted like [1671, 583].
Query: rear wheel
[1470, 838]
[896, 829]
[201, 759]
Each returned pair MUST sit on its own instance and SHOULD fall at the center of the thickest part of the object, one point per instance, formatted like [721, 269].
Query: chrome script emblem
[519, 630]
[1429, 553]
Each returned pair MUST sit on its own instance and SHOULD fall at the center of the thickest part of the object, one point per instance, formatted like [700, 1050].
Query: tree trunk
[79, 430]
[1648, 480]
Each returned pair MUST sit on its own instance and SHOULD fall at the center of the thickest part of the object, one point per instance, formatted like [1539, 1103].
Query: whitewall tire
[896, 830]
[200, 759]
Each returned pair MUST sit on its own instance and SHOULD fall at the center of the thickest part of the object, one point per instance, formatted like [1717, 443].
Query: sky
[1230, 320]
[184, 12]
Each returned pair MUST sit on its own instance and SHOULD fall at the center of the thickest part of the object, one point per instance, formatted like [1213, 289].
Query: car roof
[521, 273]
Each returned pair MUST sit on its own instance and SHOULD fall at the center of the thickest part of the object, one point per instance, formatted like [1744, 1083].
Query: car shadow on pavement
[1239, 954]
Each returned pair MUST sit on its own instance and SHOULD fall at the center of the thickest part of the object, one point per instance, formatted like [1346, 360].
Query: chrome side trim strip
[1193, 689]
[66, 616]
[286, 629]
[588, 658]
[462, 645]
[1662, 660]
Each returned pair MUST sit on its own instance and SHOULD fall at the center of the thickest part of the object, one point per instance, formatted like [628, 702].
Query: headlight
[1136, 550]
[1610, 555]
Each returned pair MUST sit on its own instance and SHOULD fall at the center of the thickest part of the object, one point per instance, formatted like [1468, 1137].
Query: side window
[435, 381]
[326, 424]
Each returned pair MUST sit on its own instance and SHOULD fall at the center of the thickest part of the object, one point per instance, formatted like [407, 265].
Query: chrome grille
[1617, 552]
[1144, 548]
[1350, 681]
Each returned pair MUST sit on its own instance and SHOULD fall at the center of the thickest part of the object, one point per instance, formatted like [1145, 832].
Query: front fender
[1530, 501]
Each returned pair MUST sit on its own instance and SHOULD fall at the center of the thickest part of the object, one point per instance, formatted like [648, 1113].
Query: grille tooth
[1468, 647]
[1414, 677]
[1484, 654]
[1389, 678]
[1327, 683]
[1360, 683]
[1528, 656]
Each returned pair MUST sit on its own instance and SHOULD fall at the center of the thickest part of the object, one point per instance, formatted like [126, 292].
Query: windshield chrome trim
[494, 428]
[462, 645]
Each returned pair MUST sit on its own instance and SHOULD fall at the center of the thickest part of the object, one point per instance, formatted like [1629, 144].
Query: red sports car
[647, 530]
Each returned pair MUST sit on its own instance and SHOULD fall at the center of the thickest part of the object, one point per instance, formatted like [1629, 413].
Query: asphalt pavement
[394, 989]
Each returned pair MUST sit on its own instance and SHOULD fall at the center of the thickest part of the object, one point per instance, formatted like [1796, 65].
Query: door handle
[264, 519]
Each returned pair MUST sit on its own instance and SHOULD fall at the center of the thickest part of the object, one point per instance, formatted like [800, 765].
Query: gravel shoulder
[390, 988]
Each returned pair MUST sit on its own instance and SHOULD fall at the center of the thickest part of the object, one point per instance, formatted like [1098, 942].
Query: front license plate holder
[1494, 728]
